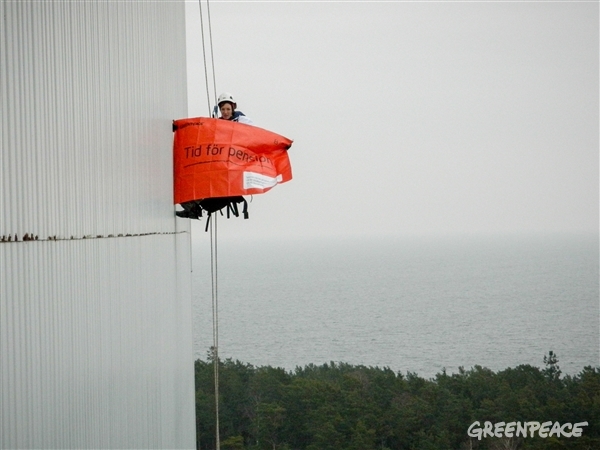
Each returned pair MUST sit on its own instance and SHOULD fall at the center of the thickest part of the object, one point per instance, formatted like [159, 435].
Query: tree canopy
[341, 406]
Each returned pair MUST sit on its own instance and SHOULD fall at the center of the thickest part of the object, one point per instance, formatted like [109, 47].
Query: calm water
[417, 306]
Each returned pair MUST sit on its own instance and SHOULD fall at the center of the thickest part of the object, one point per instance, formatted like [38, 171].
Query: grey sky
[413, 118]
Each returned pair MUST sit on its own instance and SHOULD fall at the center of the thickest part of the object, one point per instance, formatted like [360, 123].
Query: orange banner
[221, 158]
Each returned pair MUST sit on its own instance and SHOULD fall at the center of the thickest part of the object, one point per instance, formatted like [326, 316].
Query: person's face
[226, 111]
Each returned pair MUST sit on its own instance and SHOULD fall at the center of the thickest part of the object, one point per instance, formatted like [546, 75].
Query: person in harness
[195, 208]
[227, 107]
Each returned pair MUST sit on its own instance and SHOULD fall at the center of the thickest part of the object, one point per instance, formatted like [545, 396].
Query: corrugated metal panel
[88, 92]
[93, 351]
[95, 328]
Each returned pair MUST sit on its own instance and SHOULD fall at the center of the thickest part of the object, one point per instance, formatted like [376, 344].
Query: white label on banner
[253, 180]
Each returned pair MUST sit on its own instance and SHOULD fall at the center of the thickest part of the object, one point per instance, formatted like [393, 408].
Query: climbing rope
[212, 55]
[213, 228]
[215, 316]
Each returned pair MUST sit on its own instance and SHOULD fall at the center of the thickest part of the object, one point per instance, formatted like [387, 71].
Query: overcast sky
[413, 118]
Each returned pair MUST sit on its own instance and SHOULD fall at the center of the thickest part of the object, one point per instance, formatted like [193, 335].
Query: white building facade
[95, 282]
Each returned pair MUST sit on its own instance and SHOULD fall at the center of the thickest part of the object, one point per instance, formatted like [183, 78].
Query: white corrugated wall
[95, 294]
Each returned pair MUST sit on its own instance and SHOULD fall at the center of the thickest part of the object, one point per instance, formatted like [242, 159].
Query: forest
[338, 406]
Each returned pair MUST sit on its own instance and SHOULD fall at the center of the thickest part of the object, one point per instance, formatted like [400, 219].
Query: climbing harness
[195, 209]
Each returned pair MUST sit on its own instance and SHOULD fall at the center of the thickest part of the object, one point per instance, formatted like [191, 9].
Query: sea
[420, 305]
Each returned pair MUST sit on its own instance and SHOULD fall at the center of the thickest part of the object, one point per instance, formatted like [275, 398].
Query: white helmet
[226, 97]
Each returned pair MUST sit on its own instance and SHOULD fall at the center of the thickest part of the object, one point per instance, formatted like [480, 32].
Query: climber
[227, 107]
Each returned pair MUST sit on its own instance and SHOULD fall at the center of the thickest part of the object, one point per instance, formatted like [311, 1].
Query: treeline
[349, 407]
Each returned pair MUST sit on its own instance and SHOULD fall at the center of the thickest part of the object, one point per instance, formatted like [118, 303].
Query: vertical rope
[212, 53]
[215, 314]
[204, 55]
[213, 229]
